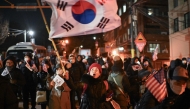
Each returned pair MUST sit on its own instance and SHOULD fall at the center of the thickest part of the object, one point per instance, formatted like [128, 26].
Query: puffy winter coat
[8, 99]
[94, 96]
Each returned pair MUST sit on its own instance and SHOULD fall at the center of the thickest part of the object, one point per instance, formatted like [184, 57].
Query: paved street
[21, 106]
[37, 106]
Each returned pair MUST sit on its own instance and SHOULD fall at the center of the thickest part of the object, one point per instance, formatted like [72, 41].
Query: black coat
[8, 100]
[30, 76]
[94, 97]
[173, 101]
[16, 74]
[75, 72]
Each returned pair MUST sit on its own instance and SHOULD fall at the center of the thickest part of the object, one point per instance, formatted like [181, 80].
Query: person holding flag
[13, 74]
[170, 94]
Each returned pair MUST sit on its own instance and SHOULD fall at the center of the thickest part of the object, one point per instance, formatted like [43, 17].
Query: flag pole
[48, 30]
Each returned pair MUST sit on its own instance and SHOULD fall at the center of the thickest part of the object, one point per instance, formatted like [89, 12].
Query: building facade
[149, 18]
[179, 31]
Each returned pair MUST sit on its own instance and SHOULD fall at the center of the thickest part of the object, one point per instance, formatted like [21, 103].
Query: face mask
[59, 72]
[26, 59]
[104, 59]
[184, 62]
[9, 68]
[177, 89]
[138, 62]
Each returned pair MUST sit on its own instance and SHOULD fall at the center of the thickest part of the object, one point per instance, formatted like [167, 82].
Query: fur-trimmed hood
[86, 78]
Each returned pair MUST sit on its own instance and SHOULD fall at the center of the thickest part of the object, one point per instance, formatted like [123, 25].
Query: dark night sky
[32, 20]
[25, 20]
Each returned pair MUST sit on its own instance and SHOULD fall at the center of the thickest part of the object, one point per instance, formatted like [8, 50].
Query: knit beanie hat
[97, 66]
[117, 64]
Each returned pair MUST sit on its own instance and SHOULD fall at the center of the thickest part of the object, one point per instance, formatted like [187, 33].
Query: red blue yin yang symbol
[83, 12]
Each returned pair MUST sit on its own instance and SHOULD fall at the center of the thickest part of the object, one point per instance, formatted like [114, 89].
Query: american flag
[154, 56]
[156, 84]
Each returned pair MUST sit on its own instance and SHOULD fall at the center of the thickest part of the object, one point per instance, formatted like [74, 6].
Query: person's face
[184, 61]
[78, 58]
[59, 71]
[72, 59]
[45, 67]
[95, 72]
[104, 59]
[178, 86]
[136, 60]
[9, 63]
[26, 58]
[146, 63]
[143, 80]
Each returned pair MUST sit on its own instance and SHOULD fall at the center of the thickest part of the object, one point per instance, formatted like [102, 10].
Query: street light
[31, 33]
[94, 38]
[64, 44]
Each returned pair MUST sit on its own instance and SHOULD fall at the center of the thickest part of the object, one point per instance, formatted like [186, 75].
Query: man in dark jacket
[29, 69]
[178, 95]
[106, 64]
[75, 74]
[133, 79]
[81, 64]
[8, 99]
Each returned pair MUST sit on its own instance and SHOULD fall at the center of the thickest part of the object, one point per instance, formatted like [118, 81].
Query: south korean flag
[81, 17]
[5, 72]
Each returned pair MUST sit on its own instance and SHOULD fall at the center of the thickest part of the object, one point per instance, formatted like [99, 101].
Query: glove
[13, 81]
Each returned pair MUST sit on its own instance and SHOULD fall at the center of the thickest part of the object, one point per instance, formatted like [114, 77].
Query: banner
[58, 80]
[5, 72]
[82, 17]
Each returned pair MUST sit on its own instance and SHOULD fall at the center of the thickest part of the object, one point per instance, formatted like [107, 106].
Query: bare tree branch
[4, 29]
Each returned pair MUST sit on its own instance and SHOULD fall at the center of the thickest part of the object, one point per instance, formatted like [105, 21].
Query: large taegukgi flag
[81, 17]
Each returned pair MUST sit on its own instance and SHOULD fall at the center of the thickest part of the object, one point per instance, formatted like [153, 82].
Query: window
[125, 37]
[124, 8]
[175, 3]
[187, 20]
[152, 47]
[176, 25]
[118, 41]
[120, 11]
[150, 11]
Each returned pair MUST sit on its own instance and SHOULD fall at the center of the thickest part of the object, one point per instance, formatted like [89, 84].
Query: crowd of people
[96, 82]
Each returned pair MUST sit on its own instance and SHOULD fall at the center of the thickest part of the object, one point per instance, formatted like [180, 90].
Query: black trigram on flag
[103, 22]
[61, 5]
[67, 26]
